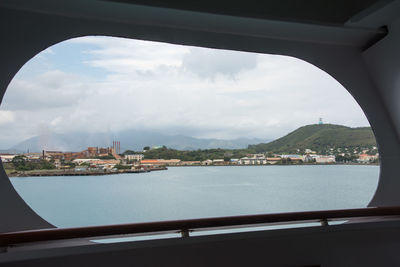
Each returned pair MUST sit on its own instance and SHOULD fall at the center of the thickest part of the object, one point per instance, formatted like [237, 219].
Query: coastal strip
[81, 173]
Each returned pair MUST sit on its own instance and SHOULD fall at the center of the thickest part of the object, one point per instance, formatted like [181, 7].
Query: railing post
[184, 233]
[324, 222]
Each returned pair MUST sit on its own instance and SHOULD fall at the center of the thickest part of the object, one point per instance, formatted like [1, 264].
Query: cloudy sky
[104, 84]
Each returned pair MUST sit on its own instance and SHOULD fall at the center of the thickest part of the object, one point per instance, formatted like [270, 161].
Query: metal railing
[185, 226]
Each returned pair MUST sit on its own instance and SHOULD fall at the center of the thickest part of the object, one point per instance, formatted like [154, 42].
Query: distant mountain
[130, 139]
[11, 151]
[318, 137]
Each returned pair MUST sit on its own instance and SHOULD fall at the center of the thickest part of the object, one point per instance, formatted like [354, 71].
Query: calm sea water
[196, 192]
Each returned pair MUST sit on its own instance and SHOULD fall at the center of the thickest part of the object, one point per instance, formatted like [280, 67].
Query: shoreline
[96, 173]
[303, 164]
[79, 173]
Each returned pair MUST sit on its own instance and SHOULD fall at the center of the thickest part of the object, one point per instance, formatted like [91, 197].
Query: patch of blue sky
[67, 57]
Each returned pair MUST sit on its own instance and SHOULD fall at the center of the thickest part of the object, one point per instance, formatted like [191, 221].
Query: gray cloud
[174, 89]
[208, 63]
[52, 89]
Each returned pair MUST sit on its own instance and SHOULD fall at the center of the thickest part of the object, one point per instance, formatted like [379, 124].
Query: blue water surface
[196, 192]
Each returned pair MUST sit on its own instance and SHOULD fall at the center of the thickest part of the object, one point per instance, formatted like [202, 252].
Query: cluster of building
[251, 159]
[262, 159]
[104, 164]
[95, 157]
[107, 158]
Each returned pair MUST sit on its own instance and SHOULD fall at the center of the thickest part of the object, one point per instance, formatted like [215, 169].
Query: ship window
[104, 130]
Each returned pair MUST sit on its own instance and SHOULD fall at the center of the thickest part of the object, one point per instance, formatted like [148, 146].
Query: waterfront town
[111, 160]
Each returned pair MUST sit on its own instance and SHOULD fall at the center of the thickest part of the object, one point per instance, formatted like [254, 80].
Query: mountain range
[129, 139]
[315, 137]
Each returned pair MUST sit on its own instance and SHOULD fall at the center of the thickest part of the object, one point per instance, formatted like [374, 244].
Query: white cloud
[120, 55]
[53, 89]
[209, 63]
[179, 90]
[6, 117]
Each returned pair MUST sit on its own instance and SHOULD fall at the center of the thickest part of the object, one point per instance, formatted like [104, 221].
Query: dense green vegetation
[194, 155]
[346, 158]
[321, 138]
[122, 167]
[20, 163]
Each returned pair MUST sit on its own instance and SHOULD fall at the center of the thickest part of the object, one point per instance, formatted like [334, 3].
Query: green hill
[320, 137]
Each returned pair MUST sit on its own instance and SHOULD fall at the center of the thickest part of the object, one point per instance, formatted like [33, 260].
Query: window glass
[103, 130]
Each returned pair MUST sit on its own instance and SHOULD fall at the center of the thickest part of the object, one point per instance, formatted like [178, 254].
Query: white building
[256, 159]
[325, 159]
[135, 157]
[218, 161]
